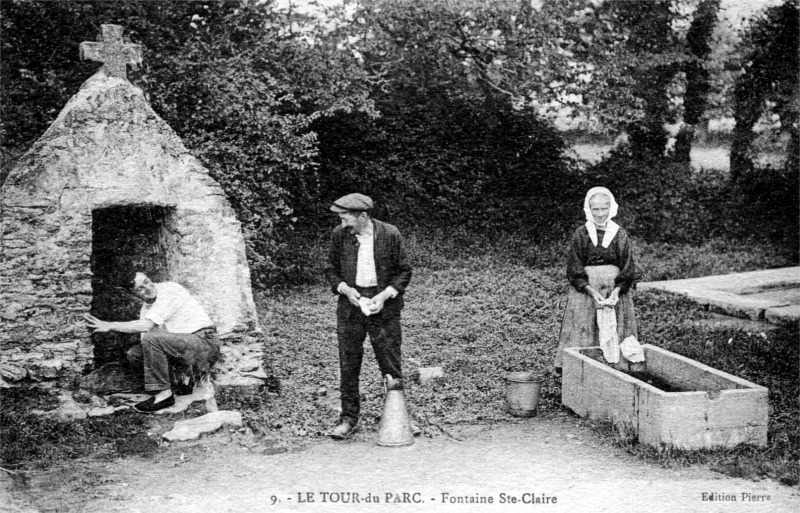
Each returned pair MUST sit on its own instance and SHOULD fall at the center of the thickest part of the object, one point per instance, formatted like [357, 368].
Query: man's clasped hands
[368, 306]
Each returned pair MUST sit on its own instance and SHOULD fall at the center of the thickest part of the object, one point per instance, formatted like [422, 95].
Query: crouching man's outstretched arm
[137, 326]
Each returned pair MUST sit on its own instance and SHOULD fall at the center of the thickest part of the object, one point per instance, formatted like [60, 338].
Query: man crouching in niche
[175, 329]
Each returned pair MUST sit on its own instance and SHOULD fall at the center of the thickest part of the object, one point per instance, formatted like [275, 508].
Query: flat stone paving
[771, 295]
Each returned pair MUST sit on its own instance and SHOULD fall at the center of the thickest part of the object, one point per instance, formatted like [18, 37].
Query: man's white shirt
[175, 309]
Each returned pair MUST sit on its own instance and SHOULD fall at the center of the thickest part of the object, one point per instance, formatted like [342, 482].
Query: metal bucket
[522, 393]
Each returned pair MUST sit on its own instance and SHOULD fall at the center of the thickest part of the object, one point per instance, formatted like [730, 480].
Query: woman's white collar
[611, 231]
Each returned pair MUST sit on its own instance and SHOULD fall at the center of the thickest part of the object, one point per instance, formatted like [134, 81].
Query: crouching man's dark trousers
[198, 351]
[385, 336]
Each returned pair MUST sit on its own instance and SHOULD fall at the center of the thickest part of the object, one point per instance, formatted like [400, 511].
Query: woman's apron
[579, 325]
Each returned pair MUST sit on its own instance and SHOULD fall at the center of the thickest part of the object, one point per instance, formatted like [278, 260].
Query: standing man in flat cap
[368, 269]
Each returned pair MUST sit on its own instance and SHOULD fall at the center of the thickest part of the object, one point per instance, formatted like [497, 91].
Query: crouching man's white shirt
[176, 309]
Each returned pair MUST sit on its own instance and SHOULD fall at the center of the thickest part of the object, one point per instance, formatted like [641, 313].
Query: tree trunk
[683, 144]
[740, 161]
[697, 86]
[747, 109]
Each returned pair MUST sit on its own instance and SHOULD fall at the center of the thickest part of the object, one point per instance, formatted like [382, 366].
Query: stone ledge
[227, 380]
[717, 320]
[732, 304]
[747, 295]
[735, 283]
[192, 429]
[783, 315]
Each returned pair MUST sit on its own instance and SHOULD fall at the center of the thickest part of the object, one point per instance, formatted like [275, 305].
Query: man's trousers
[385, 336]
[198, 351]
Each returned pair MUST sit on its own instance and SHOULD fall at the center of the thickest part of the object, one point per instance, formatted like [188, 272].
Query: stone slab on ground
[95, 406]
[732, 304]
[427, 375]
[789, 296]
[784, 315]
[750, 282]
[748, 295]
[721, 321]
[203, 391]
[244, 380]
[192, 429]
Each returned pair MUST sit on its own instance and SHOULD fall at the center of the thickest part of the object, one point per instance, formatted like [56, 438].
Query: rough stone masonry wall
[107, 148]
[45, 282]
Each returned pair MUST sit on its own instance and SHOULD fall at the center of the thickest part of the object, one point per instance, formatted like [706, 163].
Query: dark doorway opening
[138, 237]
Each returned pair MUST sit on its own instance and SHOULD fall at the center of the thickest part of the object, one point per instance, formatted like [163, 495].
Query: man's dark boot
[343, 430]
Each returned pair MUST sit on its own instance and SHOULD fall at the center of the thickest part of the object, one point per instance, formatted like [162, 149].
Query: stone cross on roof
[112, 52]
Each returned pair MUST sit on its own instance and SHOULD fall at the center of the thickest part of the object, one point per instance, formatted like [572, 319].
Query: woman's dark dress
[603, 268]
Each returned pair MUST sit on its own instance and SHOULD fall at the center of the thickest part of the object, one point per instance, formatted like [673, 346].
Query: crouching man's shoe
[343, 430]
[150, 405]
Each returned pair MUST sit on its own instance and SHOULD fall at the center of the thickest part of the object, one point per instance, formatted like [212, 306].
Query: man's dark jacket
[391, 264]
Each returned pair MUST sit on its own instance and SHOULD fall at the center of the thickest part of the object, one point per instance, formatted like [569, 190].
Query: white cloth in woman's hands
[610, 301]
[609, 339]
[632, 350]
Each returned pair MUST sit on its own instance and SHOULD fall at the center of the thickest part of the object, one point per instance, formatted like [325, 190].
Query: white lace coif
[611, 227]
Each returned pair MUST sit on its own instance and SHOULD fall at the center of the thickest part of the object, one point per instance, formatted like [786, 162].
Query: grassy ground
[481, 308]
[703, 156]
[34, 442]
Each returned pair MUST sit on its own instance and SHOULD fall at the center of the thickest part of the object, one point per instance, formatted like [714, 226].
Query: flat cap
[354, 202]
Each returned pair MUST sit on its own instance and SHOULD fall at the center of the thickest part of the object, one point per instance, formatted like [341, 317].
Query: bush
[226, 76]
[768, 202]
[37, 441]
[665, 201]
[447, 145]
[433, 159]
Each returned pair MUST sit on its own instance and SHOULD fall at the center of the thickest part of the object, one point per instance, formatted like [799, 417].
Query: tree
[236, 80]
[607, 64]
[446, 139]
[698, 40]
[770, 78]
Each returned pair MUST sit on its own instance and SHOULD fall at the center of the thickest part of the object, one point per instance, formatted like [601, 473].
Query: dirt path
[545, 459]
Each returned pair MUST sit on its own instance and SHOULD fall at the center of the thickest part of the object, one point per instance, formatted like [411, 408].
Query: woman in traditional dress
[601, 272]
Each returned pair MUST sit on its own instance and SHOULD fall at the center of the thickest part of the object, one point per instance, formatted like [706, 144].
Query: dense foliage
[663, 200]
[769, 86]
[439, 110]
[445, 147]
[232, 78]
[698, 86]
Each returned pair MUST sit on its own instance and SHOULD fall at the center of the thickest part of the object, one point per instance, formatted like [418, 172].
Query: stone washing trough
[705, 408]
